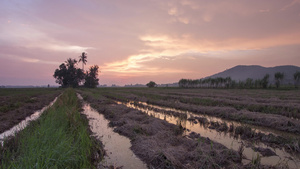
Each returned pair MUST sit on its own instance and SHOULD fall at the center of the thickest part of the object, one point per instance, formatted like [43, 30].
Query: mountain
[242, 72]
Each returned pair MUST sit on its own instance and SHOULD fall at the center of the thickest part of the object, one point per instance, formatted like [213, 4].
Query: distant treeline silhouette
[68, 75]
[227, 82]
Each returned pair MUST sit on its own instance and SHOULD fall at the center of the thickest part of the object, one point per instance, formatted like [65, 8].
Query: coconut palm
[83, 59]
[68, 75]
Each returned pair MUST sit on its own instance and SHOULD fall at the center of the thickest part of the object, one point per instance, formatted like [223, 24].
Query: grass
[16, 92]
[11, 99]
[212, 98]
[244, 105]
[59, 139]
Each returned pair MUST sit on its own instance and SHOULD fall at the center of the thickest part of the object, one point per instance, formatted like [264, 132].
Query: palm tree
[83, 59]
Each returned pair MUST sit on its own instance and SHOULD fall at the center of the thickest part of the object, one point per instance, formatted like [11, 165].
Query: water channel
[20, 126]
[283, 157]
[117, 147]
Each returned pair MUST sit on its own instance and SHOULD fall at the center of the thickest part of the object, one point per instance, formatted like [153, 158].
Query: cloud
[62, 47]
[30, 37]
[264, 10]
[207, 18]
[166, 47]
[28, 60]
[173, 11]
[132, 38]
[294, 2]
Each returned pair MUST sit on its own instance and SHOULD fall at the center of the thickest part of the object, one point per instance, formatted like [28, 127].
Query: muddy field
[180, 128]
[192, 128]
[17, 104]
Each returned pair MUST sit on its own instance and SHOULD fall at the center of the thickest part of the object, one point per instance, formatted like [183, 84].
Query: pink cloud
[138, 41]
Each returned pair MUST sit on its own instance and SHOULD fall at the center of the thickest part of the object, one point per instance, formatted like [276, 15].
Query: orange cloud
[143, 38]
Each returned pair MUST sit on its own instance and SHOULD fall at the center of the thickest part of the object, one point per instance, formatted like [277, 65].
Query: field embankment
[160, 144]
[17, 104]
[268, 108]
[268, 116]
[60, 138]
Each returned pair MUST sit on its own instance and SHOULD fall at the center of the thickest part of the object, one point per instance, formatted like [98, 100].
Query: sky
[137, 41]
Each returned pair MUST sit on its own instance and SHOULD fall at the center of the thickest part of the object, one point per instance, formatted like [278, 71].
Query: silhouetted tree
[249, 83]
[265, 81]
[220, 81]
[68, 75]
[257, 83]
[278, 77]
[151, 84]
[241, 84]
[228, 81]
[91, 79]
[233, 84]
[182, 83]
[205, 82]
[212, 82]
[83, 59]
[195, 83]
[296, 78]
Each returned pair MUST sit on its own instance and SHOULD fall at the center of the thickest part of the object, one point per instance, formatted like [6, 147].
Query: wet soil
[277, 129]
[24, 108]
[20, 126]
[274, 138]
[117, 147]
[161, 144]
[274, 121]
[13, 136]
[231, 134]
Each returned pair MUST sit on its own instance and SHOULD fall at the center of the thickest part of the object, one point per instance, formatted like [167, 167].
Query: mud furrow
[230, 138]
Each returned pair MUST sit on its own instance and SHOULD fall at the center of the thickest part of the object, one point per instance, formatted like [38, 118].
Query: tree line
[227, 82]
[69, 75]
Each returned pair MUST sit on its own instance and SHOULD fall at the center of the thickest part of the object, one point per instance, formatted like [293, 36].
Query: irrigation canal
[117, 147]
[227, 139]
[24, 123]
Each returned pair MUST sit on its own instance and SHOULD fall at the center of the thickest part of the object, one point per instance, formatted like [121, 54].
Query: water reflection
[24, 123]
[227, 139]
[220, 120]
[116, 146]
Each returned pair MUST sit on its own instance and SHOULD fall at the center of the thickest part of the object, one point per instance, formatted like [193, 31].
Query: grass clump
[59, 139]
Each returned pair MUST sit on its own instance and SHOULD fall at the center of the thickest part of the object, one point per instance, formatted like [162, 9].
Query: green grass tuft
[59, 139]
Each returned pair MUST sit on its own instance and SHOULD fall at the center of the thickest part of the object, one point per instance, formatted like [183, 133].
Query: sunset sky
[135, 41]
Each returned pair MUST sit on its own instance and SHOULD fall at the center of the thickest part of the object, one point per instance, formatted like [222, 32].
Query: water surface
[227, 139]
[116, 146]
[24, 123]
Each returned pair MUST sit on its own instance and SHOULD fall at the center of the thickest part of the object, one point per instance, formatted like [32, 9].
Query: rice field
[58, 139]
[17, 104]
[261, 127]
[162, 127]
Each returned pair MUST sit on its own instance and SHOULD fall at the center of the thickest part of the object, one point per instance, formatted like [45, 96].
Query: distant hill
[242, 72]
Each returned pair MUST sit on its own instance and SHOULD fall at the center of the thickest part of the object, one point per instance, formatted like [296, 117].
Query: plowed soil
[17, 104]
